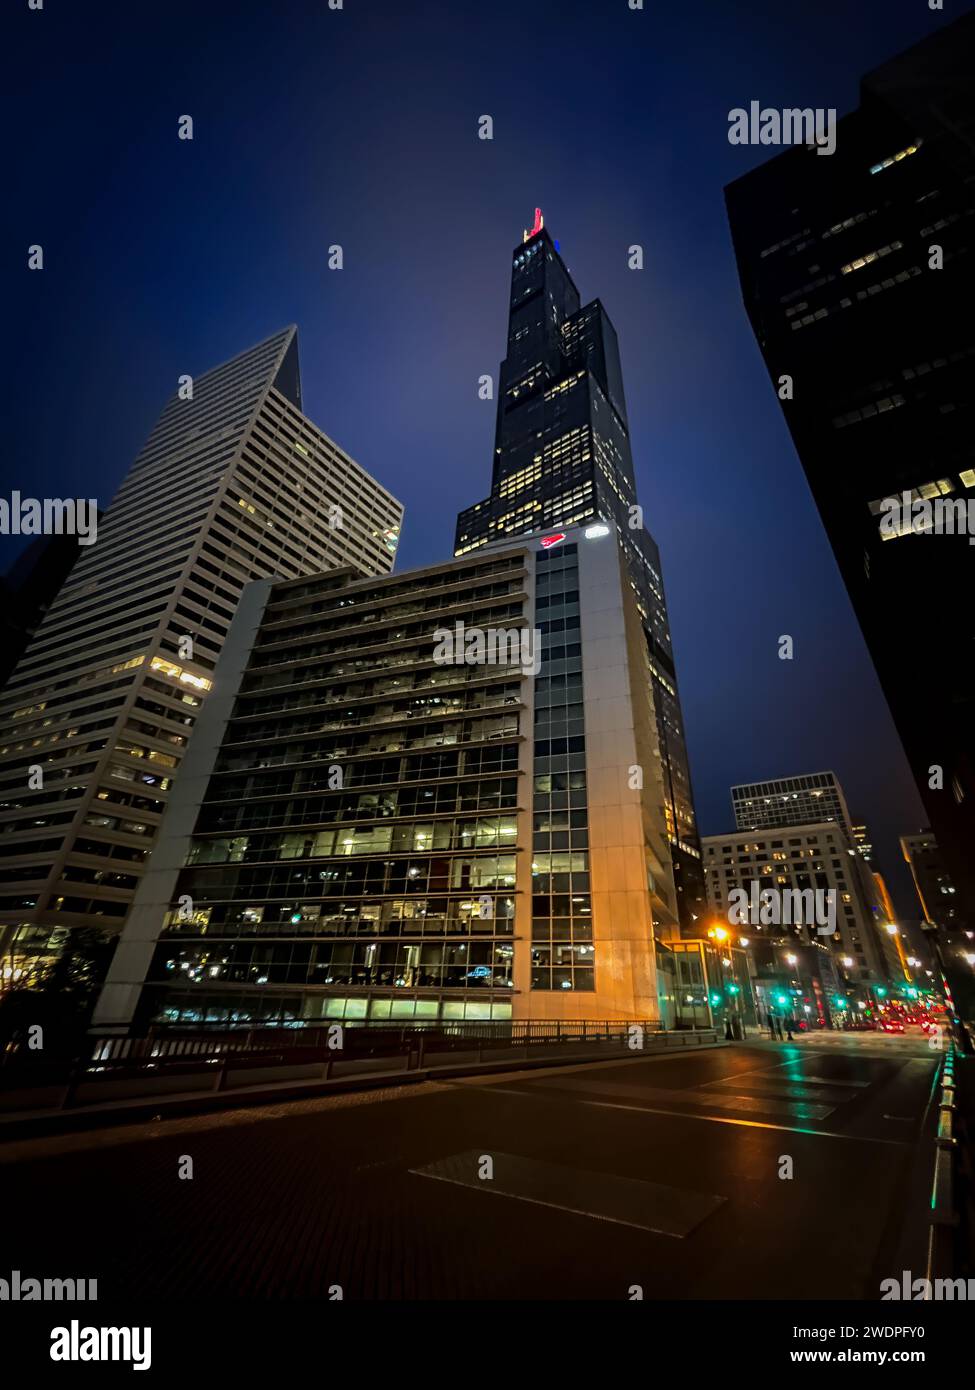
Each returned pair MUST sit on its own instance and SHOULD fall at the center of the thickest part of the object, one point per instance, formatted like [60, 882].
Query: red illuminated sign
[539, 224]
[548, 541]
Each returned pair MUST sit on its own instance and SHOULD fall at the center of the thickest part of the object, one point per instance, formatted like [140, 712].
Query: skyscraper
[562, 456]
[233, 484]
[374, 823]
[858, 275]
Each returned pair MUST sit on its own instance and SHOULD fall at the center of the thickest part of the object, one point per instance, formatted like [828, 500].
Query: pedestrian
[789, 1025]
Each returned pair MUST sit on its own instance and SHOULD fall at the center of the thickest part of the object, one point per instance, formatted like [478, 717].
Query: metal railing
[317, 1053]
[945, 1203]
[378, 1036]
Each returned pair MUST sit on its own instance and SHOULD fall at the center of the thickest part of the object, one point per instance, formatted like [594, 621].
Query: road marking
[644, 1206]
[771, 1106]
[746, 1124]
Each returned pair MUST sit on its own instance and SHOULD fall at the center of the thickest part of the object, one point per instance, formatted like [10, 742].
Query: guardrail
[135, 1068]
[944, 1191]
[367, 1037]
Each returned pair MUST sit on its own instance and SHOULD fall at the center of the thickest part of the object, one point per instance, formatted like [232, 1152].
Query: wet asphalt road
[756, 1170]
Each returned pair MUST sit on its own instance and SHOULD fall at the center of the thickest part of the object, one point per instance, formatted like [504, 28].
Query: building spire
[539, 224]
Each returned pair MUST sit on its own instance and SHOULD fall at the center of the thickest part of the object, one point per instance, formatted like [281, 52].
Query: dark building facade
[561, 457]
[858, 275]
[935, 890]
[948, 936]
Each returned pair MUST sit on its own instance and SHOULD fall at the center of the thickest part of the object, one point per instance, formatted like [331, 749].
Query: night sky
[359, 127]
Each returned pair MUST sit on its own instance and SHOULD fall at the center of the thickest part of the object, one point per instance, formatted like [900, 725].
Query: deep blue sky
[358, 126]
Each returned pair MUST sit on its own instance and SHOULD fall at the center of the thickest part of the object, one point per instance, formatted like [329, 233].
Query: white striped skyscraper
[233, 484]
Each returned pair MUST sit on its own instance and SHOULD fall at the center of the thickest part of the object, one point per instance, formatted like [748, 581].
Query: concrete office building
[799, 858]
[373, 825]
[233, 484]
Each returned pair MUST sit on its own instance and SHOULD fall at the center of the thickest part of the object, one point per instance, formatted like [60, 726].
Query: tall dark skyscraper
[858, 274]
[562, 456]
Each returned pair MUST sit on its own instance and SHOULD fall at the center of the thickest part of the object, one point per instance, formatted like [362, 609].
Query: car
[892, 1025]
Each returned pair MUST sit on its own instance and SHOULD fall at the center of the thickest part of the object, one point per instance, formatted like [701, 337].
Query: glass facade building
[562, 456]
[375, 823]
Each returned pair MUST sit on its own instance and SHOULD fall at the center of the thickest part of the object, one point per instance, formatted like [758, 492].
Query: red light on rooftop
[539, 223]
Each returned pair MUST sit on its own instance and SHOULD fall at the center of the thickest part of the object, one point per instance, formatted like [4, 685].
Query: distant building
[799, 859]
[861, 837]
[806, 800]
[858, 276]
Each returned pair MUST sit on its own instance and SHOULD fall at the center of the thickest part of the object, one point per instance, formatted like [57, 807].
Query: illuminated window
[896, 158]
